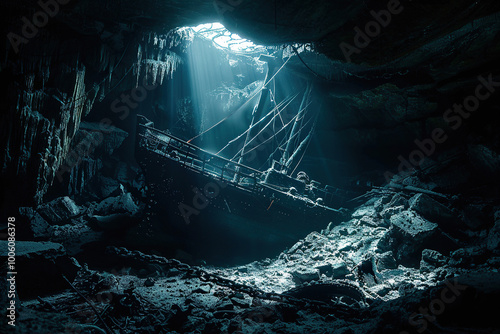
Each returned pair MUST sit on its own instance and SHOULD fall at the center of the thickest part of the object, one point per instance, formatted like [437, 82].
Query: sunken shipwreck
[250, 167]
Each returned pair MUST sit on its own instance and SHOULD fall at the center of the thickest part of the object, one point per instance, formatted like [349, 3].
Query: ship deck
[240, 215]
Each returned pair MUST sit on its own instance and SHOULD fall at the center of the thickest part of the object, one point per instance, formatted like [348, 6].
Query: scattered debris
[371, 271]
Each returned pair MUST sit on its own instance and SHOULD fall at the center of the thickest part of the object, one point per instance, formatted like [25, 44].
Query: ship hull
[199, 216]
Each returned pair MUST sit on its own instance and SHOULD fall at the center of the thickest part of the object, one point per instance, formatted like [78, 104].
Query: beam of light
[219, 63]
[217, 79]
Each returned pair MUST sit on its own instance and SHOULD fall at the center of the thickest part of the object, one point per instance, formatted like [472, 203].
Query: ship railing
[199, 160]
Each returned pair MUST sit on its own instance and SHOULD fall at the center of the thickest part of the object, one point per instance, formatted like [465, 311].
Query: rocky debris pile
[100, 202]
[78, 226]
[170, 303]
[59, 211]
[398, 251]
[393, 244]
[146, 298]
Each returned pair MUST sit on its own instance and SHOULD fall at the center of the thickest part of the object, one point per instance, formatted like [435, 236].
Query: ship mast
[289, 154]
[257, 113]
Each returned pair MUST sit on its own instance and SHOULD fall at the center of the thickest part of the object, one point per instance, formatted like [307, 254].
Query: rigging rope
[273, 97]
[278, 111]
[240, 151]
[244, 104]
[287, 100]
[225, 118]
[280, 146]
[307, 146]
[308, 98]
[251, 140]
[264, 142]
[268, 81]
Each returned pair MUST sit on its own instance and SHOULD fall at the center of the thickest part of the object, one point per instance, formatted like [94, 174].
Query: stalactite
[160, 68]
[110, 75]
[90, 99]
[166, 64]
[154, 55]
[43, 136]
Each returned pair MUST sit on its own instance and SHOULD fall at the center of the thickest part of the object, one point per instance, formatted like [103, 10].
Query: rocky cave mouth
[250, 167]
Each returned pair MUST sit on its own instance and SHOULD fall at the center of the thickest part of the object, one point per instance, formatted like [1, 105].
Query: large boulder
[380, 203]
[59, 210]
[431, 260]
[410, 234]
[108, 187]
[475, 216]
[469, 257]
[432, 210]
[410, 224]
[113, 137]
[396, 205]
[122, 204]
[336, 270]
[115, 213]
[75, 237]
[305, 274]
[365, 211]
[397, 200]
[39, 267]
[37, 226]
[385, 261]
